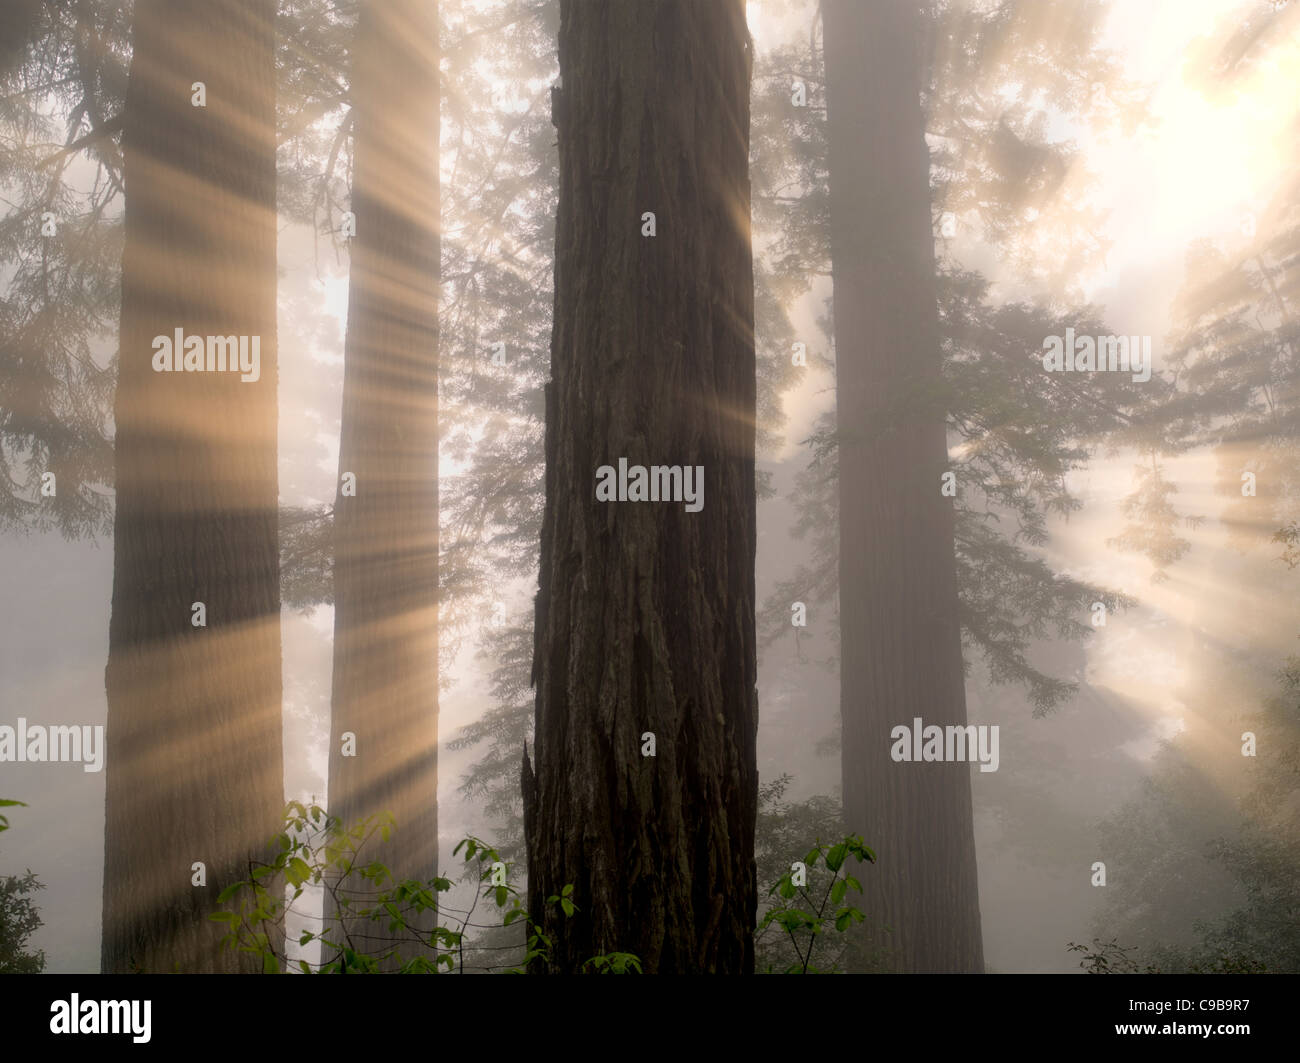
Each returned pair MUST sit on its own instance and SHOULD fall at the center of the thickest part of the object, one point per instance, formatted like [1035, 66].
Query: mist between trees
[362, 369]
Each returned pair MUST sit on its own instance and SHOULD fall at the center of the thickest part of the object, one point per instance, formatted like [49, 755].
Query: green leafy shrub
[315, 849]
[807, 912]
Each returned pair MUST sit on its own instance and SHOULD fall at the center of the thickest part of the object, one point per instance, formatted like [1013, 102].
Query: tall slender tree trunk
[385, 689]
[194, 735]
[645, 613]
[899, 618]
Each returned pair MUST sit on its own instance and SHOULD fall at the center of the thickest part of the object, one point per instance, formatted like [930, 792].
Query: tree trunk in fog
[645, 613]
[385, 689]
[899, 617]
[194, 735]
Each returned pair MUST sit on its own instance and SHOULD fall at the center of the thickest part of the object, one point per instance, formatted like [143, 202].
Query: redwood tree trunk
[194, 733]
[898, 592]
[385, 689]
[645, 613]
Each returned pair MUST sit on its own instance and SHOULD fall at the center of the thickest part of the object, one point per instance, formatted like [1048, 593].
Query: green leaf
[837, 891]
[567, 905]
[297, 872]
[228, 892]
[567, 891]
[861, 851]
[835, 858]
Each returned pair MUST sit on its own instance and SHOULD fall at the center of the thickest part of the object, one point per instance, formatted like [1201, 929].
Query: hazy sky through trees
[1194, 658]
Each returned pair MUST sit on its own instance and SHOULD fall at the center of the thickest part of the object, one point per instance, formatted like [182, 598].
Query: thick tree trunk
[194, 735]
[645, 614]
[898, 593]
[386, 536]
